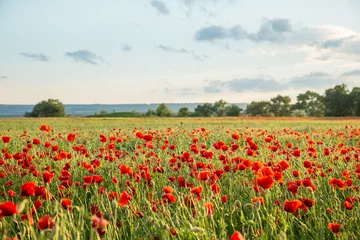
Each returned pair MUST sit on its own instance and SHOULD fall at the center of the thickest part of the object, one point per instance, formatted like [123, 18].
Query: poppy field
[218, 178]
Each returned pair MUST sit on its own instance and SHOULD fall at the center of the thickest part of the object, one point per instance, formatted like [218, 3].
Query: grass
[117, 115]
[148, 215]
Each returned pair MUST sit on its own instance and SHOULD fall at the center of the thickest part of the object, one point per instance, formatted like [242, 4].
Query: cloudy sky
[150, 51]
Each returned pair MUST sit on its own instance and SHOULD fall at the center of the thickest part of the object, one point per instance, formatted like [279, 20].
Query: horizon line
[124, 103]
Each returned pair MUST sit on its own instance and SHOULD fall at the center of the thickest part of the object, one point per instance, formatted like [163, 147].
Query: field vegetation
[179, 178]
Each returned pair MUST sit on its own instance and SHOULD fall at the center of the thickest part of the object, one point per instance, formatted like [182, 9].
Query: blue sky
[149, 51]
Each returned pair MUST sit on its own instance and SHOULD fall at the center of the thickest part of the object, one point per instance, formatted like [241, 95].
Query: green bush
[49, 108]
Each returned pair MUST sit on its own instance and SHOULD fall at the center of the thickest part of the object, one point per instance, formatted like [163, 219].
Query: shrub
[49, 108]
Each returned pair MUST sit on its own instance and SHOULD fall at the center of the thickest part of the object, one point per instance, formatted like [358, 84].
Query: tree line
[338, 101]
[219, 108]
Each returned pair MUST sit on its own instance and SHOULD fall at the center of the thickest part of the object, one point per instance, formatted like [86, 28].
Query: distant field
[19, 124]
[117, 114]
[180, 178]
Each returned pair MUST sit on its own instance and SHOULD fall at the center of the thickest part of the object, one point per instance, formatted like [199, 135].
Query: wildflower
[45, 222]
[28, 189]
[124, 198]
[237, 236]
[8, 209]
[265, 182]
[335, 227]
[292, 206]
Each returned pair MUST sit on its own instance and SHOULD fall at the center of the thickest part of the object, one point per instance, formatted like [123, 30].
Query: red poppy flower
[45, 222]
[170, 197]
[296, 173]
[38, 203]
[36, 141]
[5, 139]
[292, 206]
[103, 138]
[8, 209]
[47, 177]
[97, 179]
[215, 188]
[308, 183]
[115, 180]
[168, 189]
[40, 190]
[204, 175]
[307, 164]
[148, 137]
[88, 179]
[45, 128]
[335, 227]
[71, 137]
[348, 205]
[237, 236]
[11, 193]
[265, 182]
[124, 198]
[27, 189]
[235, 136]
[124, 169]
[296, 153]
[66, 204]
[196, 190]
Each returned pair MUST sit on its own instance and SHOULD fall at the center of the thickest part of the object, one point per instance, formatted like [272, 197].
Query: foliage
[261, 108]
[232, 110]
[280, 106]
[49, 108]
[219, 107]
[355, 99]
[205, 110]
[163, 111]
[337, 101]
[184, 112]
[298, 113]
[150, 113]
[311, 102]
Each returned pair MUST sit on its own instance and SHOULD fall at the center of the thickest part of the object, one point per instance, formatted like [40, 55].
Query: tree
[49, 108]
[205, 110]
[219, 107]
[233, 110]
[298, 113]
[261, 108]
[355, 99]
[184, 112]
[337, 101]
[163, 111]
[311, 102]
[280, 105]
[150, 113]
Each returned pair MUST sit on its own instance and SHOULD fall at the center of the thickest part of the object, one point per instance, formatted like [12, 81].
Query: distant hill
[117, 114]
[82, 110]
